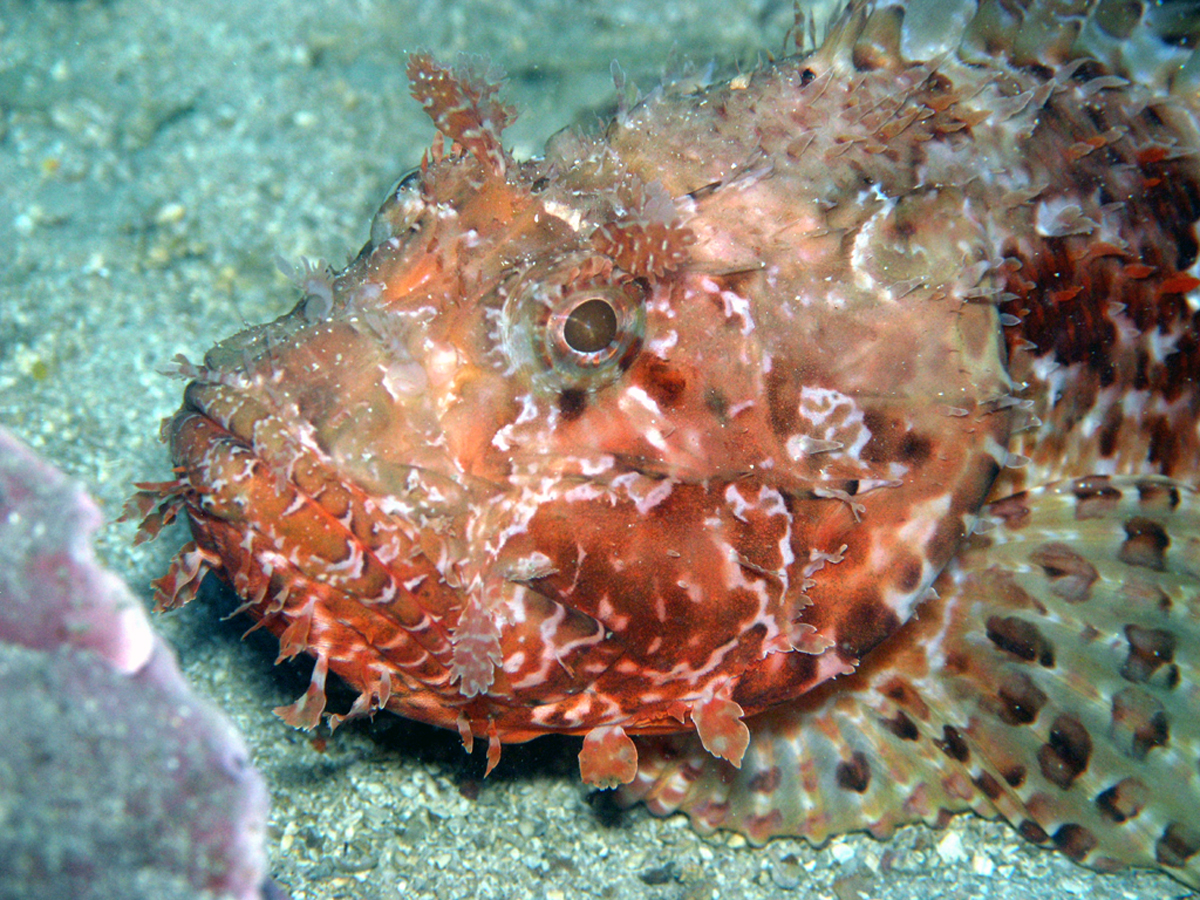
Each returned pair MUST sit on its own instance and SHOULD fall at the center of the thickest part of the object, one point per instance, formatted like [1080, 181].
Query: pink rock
[115, 779]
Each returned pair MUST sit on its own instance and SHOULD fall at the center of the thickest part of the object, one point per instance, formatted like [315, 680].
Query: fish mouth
[321, 561]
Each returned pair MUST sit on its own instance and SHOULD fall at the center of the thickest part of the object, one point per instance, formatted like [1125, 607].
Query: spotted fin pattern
[1054, 682]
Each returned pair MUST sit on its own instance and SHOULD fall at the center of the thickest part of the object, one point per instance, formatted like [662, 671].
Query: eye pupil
[591, 326]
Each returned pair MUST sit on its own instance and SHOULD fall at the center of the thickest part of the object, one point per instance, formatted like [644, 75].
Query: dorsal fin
[1153, 43]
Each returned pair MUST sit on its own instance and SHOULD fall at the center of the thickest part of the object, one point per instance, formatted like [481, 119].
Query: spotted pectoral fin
[1053, 681]
[1076, 651]
[843, 757]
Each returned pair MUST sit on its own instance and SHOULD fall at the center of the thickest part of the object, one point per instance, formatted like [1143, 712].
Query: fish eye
[573, 337]
[591, 326]
[593, 332]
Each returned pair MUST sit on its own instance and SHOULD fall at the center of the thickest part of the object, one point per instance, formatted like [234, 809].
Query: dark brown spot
[1087, 72]
[989, 785]
[914, 448]
[658, 875]
[1014, 775]
[870, 621]
[1094, 496]
[1163, 497]
[571, 403]
[1178, 844]
[1145, 544]
[1109, 436]
[662, 381]
[764, 823]
[1020, 699]
[806, 77]
[1139, 722]
[1172, 679]
[957, 663]
[881, 447]
[716, 401]
[1009, 594]
[1093, 487]
[854, 774]
[1032, 831]
[1123, 800]
[766, 781]
[1071, 576]
[1075, 841]
[1020, 638]
[905, 695]
[1164, 442]
[1146, 594]
[1013, 511]
[1065, 756]
[902, 727]
[469, 788]
[1149, 648]
[952, 744]
[908, 574]
[900, 691]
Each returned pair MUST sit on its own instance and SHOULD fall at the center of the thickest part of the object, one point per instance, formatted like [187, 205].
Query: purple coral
[115, 780]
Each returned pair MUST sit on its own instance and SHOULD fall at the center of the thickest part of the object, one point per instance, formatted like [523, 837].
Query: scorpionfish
[821, 446]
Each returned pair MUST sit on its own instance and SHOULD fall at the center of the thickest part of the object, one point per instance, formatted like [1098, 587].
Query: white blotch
[817, 559]
[634, 485]
[735, 304]
[527, 568]
[583, 493]
[503, 439]
[1163, 344]
[737, 503]
[838, 425]
[639, 396]
[738, 408]
[569, 214]
[598, 466]
[660, 345]
[861, 254]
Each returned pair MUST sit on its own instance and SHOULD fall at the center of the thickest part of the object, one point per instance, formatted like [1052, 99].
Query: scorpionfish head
[624, 440]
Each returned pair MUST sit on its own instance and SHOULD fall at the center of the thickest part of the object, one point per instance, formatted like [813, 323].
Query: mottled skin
[681, 421]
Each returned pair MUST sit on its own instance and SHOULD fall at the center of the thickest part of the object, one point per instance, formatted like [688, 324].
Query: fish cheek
[657, 579]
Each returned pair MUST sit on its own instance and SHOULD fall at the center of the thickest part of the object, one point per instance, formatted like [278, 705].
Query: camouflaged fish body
[841, 418]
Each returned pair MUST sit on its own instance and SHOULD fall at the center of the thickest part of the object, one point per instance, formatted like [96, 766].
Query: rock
[115, 779]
